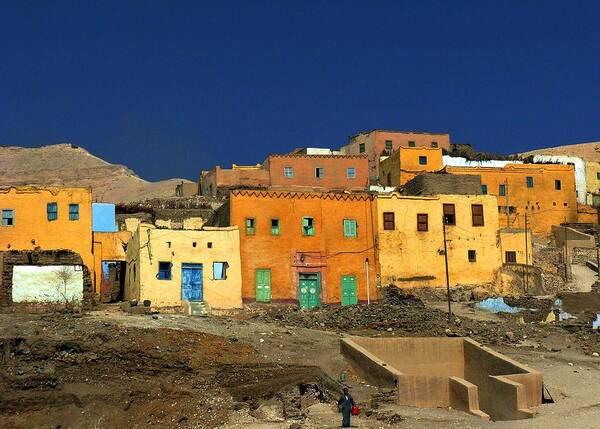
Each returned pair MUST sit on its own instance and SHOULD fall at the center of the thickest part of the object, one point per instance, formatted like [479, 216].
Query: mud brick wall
[443, 184]
[45, 257]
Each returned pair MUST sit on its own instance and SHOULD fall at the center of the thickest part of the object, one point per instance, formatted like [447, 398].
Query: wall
[54, 283]
[403, 165]
[103, 217]
[236, 177]
[459, 161]
[375, 144]
[186, 189]
[513, 239]
[108, 246]
[150, 245]
[579, 168]
[334, 166]
[544, 205]
[591, 180]
[290, 253]
[587, 214]
[9, 260]
[411, 258]
[32, 229]
[430, 184]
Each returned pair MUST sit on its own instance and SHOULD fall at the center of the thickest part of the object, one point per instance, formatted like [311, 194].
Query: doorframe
[193, 265]
[256, 270]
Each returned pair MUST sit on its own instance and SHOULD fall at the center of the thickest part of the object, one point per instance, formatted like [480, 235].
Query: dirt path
[583, 278]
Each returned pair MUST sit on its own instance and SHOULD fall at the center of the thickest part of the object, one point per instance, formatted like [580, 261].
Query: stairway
[200, 309]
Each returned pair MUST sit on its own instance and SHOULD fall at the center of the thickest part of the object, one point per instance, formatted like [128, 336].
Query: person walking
[345, 404]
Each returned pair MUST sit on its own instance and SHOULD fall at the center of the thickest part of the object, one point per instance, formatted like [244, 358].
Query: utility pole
[447, 275]
[525, 273]
[566, 251]
[507, 203]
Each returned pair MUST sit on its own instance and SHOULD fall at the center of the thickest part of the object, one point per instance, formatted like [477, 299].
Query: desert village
[435, 249]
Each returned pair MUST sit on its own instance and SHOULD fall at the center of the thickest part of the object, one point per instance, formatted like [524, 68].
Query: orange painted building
[545, 192]
[109, 247]
[377, 143]
[318, 172]
[47, 218]
[407, 162]
[306, 247]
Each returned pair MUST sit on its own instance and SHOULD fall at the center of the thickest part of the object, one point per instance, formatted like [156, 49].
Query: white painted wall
[42, 284]
[321, 151]
[580, 180]
[458, 161]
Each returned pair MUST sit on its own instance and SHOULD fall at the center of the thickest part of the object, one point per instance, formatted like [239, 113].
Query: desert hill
[70, 165]
[586, 151]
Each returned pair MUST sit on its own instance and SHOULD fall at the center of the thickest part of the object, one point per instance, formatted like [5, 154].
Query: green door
[263, 285]
[349, 295]
[310, 290]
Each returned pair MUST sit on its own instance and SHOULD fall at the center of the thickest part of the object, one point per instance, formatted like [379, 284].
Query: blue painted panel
[103, 217]
[191, 282]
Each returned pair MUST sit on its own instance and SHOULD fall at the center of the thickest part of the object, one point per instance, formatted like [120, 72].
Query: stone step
[201, 308]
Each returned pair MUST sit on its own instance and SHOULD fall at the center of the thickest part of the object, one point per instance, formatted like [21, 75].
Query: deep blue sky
[170, 87]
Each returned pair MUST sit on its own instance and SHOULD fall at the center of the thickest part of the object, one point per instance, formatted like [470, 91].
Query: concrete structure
[103, 217]
[407, 162]
[186, 189]
[545, 192]
[306, 247]
[169, 267]
[448, 372]
[318, 172]
[459, 161]
[411, 240]
[47, 218]
[238, 176]
[377, 143]
[315, 151]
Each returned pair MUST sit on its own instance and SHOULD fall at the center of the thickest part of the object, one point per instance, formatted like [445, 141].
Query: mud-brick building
[169, 267]
[543, 192]
[318, 172]
[306, 247]
[46, 241]
[407, 162]
[411, 239]
[378, 143]
[211, 182]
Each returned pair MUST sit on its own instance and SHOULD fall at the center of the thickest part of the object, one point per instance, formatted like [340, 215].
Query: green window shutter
[349, 228]
[353, 228]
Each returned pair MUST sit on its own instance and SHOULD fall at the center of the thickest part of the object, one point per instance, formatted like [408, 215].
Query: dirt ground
[269, 366]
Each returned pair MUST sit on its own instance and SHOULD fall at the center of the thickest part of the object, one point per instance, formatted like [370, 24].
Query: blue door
[191, 282]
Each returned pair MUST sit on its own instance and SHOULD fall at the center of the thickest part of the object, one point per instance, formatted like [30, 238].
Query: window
[288, 171]
[449, 214]
[350, 228]
[529, 182]
[484, 189]
[361, 148]
[350, 172]
[422, 222]
[422, 160]
[511, 257]
[52, 210]
[133, 272]
[477, 214]
[511, 209]
[319, 172]
[388, 221]
[274, 226]
[220, 270]
[598, 175]
[411, 143]
[434, 144]
[502, 190]
[389, 179]
[73, 211]
[250, 228]
[8, 217]
[388, 145]
[194, 244]
[164, 271]
[209, 244]
[308, 226]
[557, 185]
[472, 256]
